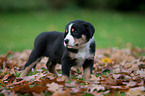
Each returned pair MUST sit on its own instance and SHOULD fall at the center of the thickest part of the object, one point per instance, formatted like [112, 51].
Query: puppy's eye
[74, 32]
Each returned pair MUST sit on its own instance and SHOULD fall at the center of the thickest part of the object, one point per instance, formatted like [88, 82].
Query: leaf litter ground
[115, 72]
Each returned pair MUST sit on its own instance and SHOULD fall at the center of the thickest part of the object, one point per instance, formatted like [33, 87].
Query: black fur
[51, 44]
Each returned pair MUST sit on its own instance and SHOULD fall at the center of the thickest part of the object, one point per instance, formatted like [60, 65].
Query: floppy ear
[90, 29]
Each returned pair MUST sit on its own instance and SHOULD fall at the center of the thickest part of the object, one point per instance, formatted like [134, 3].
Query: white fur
[84, 53]
[84, 50]
[71, 39]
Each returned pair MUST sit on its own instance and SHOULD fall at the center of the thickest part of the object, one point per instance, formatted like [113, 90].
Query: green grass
[113, 29]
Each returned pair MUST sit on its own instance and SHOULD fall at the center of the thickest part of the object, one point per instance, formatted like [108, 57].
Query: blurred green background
[118, 23]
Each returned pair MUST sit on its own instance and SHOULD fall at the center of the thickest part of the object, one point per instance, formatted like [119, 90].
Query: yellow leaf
[106, 60]
[1, 82]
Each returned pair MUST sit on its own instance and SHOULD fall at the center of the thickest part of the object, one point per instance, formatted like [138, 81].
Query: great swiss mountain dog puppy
[75, 47]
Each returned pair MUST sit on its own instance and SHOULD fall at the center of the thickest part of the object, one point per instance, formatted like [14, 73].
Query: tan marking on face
[72, 29]
[81, 40]
[66, 31]
[86, 74]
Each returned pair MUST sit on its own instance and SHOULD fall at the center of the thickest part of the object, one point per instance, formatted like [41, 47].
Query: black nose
[66, 41]
[76, 44]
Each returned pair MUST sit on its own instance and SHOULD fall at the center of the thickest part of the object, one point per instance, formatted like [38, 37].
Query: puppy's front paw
[87, 74]
[87, 78]
[63, 78]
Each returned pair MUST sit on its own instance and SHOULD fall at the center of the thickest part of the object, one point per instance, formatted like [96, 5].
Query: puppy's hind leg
[51, 67]
[34, 58]
[33, 68]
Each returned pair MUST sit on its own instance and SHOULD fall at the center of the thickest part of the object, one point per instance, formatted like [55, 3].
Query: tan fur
[65, 78]
[81, 40]
[27, 69]
[86, 74]
[72, 55]
[91, 57]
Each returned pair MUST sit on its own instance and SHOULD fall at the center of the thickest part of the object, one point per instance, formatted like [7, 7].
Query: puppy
[75, 47]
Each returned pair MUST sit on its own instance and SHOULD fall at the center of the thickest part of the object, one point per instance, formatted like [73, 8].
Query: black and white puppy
[75, 47]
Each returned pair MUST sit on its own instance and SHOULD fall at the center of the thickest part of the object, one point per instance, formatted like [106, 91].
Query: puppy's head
[77, 33]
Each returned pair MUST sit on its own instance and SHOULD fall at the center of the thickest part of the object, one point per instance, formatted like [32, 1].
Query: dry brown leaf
[35, 77]
[73, 83]
[138, 91]
[53, 87]
[110, 80]
[38, 94]
[94, 87]
[5, 77]
[95, 93]
[75, 90]
[141, 83]
[116, 76]
[131, 84]
[60, 92]
[26, 88]
[94, 78]
[120, 88]
[13, 93]
[141, 73]
[5, 92]
[15, 83]
[6, 70]
[125, 74]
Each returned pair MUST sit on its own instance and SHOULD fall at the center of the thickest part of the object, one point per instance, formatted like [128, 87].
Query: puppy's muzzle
[66, 41]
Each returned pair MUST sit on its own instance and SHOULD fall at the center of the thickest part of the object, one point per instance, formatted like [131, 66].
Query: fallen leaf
[94, 87]
[110, 80]
[53, 87]
[93, 77]
[106, 60]
[1, 82]
[75, 90]
[126, 73]
[138, 91]
[116, 76]
[5, 92]
[25, 88]
[5, 77]
[61, 93]
[131, 84]
[38, 94]
[15, 83]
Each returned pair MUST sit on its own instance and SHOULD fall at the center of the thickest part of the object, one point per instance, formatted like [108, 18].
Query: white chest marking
[83, 54]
